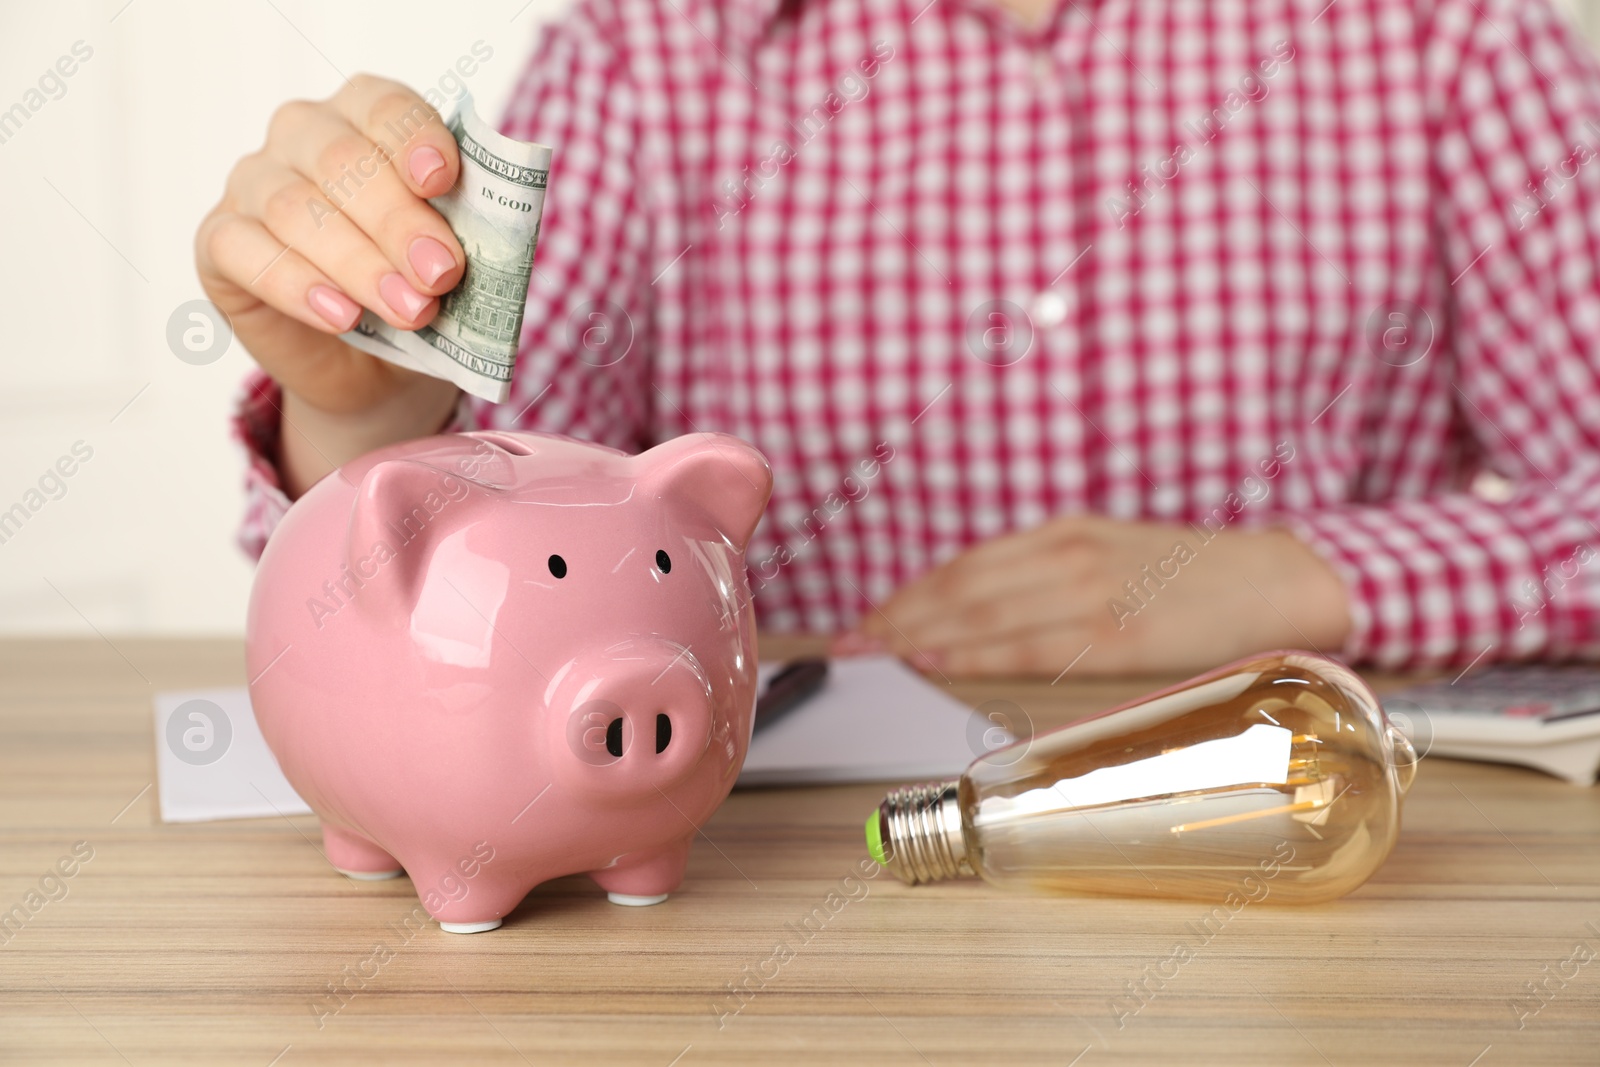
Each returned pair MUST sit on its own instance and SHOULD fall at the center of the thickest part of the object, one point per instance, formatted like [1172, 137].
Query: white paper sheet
[213, 763]
[874, 720]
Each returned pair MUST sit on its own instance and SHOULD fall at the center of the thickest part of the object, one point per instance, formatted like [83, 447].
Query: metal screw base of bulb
[921, 831]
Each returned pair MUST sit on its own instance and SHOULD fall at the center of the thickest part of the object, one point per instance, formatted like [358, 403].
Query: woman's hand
[330, 216]
[1109, 597]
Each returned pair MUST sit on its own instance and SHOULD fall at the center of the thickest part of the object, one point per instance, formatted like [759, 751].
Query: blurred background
[102, 185]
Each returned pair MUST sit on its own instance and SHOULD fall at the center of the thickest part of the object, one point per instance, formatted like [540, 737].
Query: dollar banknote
[494, 210]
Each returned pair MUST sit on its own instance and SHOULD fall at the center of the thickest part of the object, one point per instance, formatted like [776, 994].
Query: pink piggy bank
[492, 659]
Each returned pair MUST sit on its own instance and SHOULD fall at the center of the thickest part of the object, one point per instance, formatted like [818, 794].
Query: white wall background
[100, 194]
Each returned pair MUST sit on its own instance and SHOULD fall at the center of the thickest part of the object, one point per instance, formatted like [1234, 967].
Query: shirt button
[1049, 309]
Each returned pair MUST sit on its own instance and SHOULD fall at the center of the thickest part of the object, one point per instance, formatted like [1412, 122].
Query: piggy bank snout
[630, 724]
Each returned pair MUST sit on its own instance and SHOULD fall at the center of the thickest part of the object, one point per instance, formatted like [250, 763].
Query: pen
[795, 682]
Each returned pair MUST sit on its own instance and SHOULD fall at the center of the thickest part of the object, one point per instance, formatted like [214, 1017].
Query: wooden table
[216, 943]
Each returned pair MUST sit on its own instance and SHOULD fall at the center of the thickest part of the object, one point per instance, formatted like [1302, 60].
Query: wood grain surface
[218, 943]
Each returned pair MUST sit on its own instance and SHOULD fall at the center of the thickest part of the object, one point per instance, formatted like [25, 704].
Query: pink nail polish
[430, 259]
[424, 163]
[333, 307]
[398, 294]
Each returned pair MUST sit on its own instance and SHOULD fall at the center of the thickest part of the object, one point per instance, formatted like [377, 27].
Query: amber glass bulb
[1278, 778]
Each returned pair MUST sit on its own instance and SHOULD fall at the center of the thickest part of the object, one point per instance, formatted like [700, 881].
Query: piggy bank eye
[558, 566]
[663, 561]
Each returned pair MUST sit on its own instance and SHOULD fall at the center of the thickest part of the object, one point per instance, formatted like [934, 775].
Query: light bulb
[1276, 778]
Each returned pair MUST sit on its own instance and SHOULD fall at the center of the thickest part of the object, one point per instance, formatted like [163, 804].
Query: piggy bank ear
[400, 507]
[717, 472]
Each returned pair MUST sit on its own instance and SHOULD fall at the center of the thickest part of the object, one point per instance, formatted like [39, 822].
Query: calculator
[1535, 715]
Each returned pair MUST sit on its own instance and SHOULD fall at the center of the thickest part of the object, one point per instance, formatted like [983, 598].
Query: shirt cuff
[1426, 582]
[257, 423]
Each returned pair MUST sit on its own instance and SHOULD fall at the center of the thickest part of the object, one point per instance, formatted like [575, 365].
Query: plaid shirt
[1227, 263]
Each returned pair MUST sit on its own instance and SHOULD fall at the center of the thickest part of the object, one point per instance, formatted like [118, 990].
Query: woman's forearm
[314, 442]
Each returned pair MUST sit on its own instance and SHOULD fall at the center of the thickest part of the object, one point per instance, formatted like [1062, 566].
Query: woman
[1102, 336]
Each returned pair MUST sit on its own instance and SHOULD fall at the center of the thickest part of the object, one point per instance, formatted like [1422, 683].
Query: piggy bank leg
[646, 876]
[355, 857]
[460, 907]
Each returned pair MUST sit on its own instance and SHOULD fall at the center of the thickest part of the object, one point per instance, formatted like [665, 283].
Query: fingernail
[855, 643]
[398, 294]
[424, 163]
[336, 309]
[430, 259]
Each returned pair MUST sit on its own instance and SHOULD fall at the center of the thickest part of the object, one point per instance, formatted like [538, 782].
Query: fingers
[293, 314]
[1017, 635]
[345, 175]
[245, 254]
[1012, 562]
[390, 114]
[855, 643]
[297, 215]
[981, 594]
[290, 312]
[331, 216]
[1008, 605]
[1038, 654]
[342, 185]
[1045, 651]
[1000, 615]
